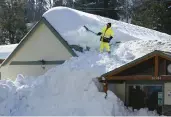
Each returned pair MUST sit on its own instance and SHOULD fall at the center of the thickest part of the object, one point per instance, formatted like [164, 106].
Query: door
[146, 96]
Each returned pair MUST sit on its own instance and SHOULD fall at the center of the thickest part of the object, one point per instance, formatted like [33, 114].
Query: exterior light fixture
[43, 63]
[169, 68]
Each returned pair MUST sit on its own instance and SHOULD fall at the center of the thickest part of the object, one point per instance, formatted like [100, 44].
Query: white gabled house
[41, 49]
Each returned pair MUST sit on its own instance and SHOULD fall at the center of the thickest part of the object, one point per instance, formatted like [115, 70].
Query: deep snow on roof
[69, 22]
[6, 50]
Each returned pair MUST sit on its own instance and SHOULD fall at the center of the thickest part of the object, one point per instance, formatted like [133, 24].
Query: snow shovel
[90, 30]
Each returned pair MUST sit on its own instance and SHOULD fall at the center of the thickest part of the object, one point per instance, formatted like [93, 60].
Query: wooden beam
[165, 77]
[135, 77]
[37, 62]
[138, 77]
[164, 57]
[165, 67]
[156, 68]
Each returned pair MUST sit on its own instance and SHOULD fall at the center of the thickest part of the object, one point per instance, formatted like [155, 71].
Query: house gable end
[144, 68]
[21, 43]
[30, 33]
[152, 64]
[130, 65]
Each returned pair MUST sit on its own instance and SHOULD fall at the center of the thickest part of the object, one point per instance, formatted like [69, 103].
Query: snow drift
[68, 89]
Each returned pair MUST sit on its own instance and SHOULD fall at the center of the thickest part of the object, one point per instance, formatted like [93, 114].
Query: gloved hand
[99, 33]
[110, 38]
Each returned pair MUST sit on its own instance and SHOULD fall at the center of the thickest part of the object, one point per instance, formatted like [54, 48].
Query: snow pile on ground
[67, 89]
[5, 50]
[69, 23]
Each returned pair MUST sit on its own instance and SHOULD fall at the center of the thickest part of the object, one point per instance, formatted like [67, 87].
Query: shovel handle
[89, 30]
[86, 28]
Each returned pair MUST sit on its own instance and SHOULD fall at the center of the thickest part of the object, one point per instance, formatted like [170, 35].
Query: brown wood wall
[162, 67]
[144, 68]
[148, 68]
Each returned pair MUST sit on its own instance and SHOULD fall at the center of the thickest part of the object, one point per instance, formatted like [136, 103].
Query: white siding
[167, 90]
[119, 90]
[42, 44]
[10, 72]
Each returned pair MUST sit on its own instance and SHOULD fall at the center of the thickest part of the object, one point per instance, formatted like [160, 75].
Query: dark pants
[106, 95]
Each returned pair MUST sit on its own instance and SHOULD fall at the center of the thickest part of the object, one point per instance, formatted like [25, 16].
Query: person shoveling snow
[106, 35]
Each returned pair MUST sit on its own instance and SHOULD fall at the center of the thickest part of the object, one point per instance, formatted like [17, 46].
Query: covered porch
[144, 82]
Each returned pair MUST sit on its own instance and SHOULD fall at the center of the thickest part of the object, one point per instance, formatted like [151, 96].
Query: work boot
[106, 96]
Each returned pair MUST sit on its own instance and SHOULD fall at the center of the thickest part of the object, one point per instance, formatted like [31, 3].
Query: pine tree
[12, 22]
[30, 10]
[41, 7]
[152, 14]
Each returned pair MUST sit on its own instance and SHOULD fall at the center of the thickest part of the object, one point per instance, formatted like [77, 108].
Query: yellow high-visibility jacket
[107, 33]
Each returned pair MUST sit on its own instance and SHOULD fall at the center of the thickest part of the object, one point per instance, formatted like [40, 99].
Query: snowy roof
[5, 50]
[69, 23]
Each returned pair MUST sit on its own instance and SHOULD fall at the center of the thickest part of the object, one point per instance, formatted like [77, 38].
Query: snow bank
[67, 89]
[69, 23]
